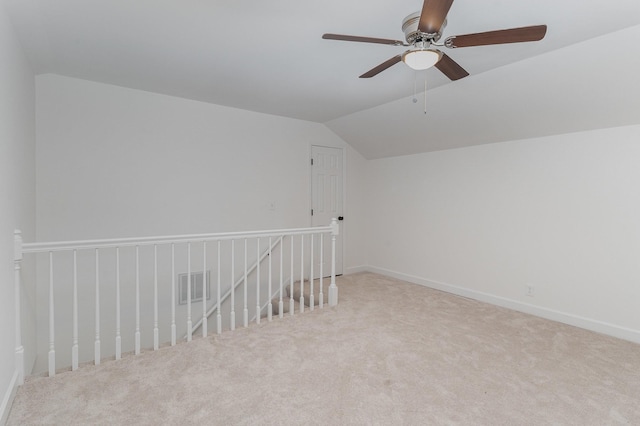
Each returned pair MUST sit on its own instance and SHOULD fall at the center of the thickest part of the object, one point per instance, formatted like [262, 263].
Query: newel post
[17, 264]
[333, 289]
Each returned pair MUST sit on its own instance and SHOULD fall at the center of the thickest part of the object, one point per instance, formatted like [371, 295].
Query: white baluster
[96, 346]
[311, 277]
[219, 316]
[270, 294]
[118, 337]
[17, 288]
[137, 333]
[52, 347]
[232, 319]
[333, 289]
[189, 323]
[258, 281]
[291, 302]
[280, 302]
[245, 312]
[321, 295]
[156, 337]
[173, 294]
[302, 273]
[204, 289]
[74, 344]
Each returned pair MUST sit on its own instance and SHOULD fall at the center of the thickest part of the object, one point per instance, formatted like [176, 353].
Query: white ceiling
[268, 56]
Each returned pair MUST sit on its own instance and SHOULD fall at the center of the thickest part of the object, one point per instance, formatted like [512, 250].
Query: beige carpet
[391, 353]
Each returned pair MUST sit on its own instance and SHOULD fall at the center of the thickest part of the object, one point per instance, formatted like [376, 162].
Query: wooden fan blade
[451, 68]
[383, 66]
[513, 35]
[434, 12]
[343, 37]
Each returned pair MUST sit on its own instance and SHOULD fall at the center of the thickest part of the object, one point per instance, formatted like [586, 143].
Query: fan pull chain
[415, 93]
[425, 95]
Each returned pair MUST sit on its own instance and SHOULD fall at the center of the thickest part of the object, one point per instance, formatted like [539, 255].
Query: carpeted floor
[391, 353]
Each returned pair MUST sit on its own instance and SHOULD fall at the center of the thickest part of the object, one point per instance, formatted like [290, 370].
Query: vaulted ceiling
[269, 57]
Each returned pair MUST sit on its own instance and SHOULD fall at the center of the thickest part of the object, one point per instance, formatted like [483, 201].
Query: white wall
[120, 162]
[355, 226]
[116, 162]
[17, 195]
[558, 213]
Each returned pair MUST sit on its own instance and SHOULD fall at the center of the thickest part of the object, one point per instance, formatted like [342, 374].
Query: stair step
[326, 282]
[286, 305]
[316, 291]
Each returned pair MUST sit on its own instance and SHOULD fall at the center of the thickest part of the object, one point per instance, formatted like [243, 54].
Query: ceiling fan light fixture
[421, 59]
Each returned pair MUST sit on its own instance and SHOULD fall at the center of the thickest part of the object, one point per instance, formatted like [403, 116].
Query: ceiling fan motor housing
[412, 34]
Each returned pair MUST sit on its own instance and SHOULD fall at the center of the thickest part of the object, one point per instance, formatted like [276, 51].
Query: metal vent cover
[196, 287]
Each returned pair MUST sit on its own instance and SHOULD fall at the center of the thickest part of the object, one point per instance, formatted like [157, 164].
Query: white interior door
[327, 201]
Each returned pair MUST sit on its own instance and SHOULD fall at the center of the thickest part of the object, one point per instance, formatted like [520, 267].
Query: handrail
[144, 241]
[236, 285]
[21, 248]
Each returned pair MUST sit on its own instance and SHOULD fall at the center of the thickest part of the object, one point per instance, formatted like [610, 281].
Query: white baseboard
[563, 317]
[7, 401]
[356, 269]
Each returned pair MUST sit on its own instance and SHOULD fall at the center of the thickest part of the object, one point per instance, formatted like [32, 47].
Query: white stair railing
[82, 283]
[231, 292]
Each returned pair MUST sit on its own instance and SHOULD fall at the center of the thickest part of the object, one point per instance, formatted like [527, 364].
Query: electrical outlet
[529, 290]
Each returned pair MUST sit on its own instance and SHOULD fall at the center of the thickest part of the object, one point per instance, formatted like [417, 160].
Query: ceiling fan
[424, 29]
